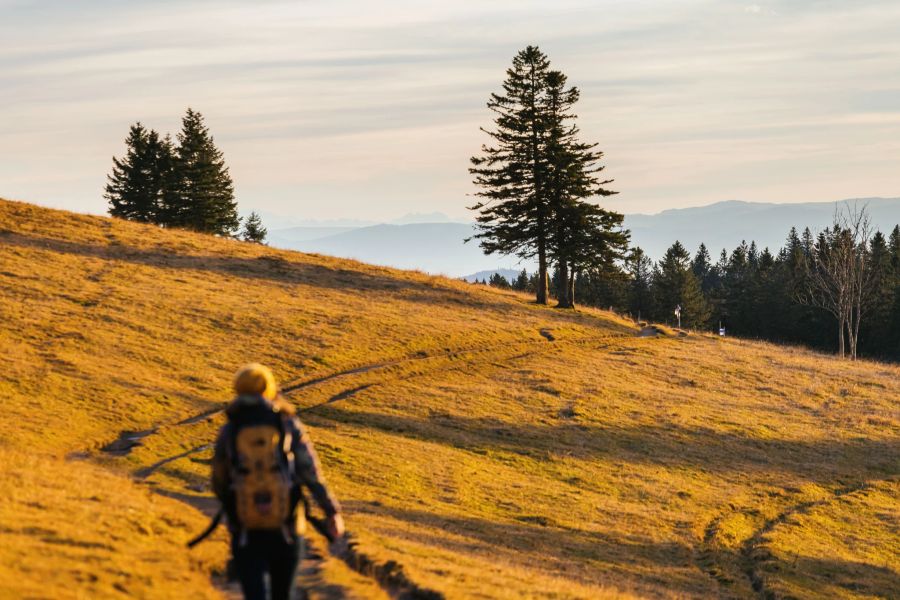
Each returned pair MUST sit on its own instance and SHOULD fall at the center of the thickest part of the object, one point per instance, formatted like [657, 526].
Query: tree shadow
[859, 578]
[553, 548]
[666, 445]
[271, 267]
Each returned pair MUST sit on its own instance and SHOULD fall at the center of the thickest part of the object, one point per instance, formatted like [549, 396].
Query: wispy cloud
[367, 109]
[757, 9]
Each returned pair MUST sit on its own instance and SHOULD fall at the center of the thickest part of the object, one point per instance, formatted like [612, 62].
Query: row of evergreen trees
[535, 178]
[751, 292]
[184, 184]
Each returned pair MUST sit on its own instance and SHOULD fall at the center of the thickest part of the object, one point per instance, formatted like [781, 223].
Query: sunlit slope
[491, 447]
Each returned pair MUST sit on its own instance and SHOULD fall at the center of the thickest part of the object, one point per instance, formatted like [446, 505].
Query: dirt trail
[389, 575]
[129, 440]
[417, 357]
[309, 572]
[746, 563]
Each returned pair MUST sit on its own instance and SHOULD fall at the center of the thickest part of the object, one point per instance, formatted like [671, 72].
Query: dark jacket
[308, 472]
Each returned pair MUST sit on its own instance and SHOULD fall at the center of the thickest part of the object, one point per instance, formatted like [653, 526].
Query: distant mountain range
[726, 224]
[510, 275]
[438, 247]
[429, 247]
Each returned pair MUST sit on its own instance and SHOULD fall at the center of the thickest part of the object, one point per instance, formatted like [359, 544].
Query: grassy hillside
[493, 448]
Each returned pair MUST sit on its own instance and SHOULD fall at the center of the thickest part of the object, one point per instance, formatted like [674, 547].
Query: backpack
[262, 469]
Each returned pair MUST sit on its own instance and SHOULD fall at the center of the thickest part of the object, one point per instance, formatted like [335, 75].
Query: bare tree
[862, 275]
[840, 278]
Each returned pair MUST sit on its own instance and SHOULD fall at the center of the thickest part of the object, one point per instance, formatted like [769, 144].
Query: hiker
[263, 459]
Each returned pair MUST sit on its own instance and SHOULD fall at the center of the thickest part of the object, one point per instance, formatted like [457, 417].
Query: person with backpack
[263, 460]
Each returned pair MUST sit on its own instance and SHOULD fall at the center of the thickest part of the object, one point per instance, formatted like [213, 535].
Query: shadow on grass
[859, 578]
[560, 550]
[269, 267]
[668, 445]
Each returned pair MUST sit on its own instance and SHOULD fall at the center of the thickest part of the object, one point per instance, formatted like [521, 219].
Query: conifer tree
[522, 281]
[583, 236]
[167, 169]
[203, 198]
[701, 265]
[534, 179]
[765, 294]
[253, 229]
[877, 332]
[676, 285]
[511, 172]
[499, 281]
[590, 240]
[640, 291]
[894, 252]
[137, 187]
[894, 324]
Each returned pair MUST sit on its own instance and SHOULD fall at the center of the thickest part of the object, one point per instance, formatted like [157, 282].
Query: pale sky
[370, 110]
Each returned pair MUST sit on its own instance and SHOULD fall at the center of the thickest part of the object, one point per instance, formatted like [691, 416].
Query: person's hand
[335, 526]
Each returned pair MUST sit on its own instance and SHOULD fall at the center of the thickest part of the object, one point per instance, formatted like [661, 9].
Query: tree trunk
[853, 332]
[841, 336]
[542, 283]
[562, 293]
[571, 293]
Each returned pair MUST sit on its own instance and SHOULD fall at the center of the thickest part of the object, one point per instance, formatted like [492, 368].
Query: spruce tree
[701, 265]
[640, 291]
[169, 178]
[138, 184]
[766, 295]
[522, 281]
[253, 229]
[583, 236]
[511, 172]
[893, 348]
[499, 281]
[738, 286]
[894, 250]
[877, 330]
[203, 199]
[590, 240]
[676, 285]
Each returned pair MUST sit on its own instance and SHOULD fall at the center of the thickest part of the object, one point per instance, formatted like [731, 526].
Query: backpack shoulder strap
[288, 432]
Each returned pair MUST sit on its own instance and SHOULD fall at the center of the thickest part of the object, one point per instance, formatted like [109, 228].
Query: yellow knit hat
[255, 379]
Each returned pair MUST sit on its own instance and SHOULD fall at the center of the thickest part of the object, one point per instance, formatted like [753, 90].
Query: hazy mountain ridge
[509, 274]
[438, 247]
[726, 224]
[431, 247]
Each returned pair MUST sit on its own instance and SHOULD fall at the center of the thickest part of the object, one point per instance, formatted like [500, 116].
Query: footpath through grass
[486, 459]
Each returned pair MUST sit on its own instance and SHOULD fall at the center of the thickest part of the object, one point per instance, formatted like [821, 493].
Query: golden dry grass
[487, 460]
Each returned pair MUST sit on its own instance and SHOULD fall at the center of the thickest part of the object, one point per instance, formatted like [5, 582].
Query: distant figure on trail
[263, 459]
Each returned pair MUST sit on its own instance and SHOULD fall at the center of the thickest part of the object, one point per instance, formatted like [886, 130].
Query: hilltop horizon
[437, 247]
[432, 242]
[293, 220]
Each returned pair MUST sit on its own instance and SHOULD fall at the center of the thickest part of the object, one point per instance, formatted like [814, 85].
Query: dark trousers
[266, 552]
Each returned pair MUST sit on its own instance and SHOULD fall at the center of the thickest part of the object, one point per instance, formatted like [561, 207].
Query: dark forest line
[751, 292]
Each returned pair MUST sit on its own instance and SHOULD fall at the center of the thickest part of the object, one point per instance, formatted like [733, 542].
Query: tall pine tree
[140, 181]
[583, 235]
[640, 287]
[514, 213]
[203, 198]
[534, 177]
